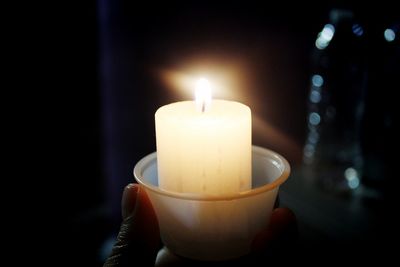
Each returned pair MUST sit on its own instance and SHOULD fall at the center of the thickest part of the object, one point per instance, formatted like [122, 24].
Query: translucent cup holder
[215, 227]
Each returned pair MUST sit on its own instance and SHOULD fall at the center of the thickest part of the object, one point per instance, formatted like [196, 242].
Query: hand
[138, 240]
[139, 237]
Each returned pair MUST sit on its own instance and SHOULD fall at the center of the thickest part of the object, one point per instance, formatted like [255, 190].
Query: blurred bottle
[336, 103]
[379, 138]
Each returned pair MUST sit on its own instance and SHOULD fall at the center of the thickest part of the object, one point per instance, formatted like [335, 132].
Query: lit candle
[204, 146]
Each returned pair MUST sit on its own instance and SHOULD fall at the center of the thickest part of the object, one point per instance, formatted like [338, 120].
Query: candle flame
[203, 94]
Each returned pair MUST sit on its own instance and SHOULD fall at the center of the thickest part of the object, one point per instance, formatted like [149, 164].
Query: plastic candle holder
[215, 227]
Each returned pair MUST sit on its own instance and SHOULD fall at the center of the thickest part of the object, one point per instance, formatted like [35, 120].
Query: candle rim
[210, 197]
[164, 111]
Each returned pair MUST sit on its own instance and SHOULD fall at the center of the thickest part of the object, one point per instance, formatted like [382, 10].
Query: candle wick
[203, 106]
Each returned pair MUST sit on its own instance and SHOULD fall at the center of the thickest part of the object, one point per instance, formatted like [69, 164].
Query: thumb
[139, 237]
[129, 198]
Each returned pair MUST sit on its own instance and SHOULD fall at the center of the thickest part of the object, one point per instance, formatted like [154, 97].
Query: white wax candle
[204, 150]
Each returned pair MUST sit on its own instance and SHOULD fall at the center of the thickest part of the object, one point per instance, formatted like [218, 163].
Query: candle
[204, 159]
[204, 146]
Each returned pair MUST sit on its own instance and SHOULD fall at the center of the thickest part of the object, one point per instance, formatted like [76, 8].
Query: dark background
[108, 83]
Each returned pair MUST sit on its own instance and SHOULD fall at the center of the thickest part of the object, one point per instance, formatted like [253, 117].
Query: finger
[138, 239]
[282, 220]
[129, 199]
[282, 228]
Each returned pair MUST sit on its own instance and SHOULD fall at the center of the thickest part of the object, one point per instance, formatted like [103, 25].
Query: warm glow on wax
[204, 146]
